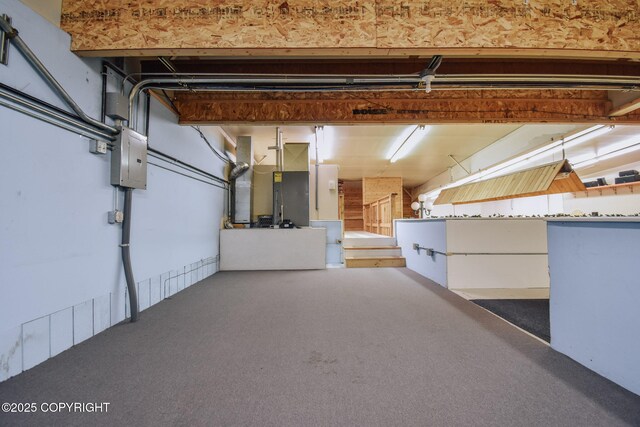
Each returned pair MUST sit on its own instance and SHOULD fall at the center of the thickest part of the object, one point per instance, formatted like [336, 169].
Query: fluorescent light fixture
[319, 137]
[620, 152]
[406, 142]
[577, 139]
[615, 150]
[406, 133]
[324, 139]
[515, 163]
[586, 163]
[629, 142]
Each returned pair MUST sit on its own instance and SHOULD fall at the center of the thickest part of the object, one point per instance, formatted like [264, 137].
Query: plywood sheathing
[352, 191]
[375, 188]
[455, 106]
[180, 24]
[547, 24]
[552, 178]
[590, 28]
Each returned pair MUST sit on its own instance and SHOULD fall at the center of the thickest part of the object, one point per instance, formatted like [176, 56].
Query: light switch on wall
[332, 185]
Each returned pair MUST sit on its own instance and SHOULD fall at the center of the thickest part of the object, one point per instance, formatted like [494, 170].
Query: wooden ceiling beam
[465, 106]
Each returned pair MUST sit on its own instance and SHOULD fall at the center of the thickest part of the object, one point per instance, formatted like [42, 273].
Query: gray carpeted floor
[321, 348]
[532, 315]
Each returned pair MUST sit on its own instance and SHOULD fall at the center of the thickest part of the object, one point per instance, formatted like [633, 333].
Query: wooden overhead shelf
[553, 178]
[613, 187]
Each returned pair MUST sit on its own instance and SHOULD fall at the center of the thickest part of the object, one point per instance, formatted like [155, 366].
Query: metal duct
[242, 207]
[238, 170]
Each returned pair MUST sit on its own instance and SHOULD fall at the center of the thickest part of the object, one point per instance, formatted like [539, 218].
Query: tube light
[319, 136]
[620, 152]
[586, 163]
[406, 142]
[627, 146]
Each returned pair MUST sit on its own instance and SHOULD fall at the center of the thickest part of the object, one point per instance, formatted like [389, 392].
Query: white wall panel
[61, 331]
[497, 271]
[11, 356]
[143, 294]
[82, 321]
[273, 249]
[496, 236]
[428, 234]
[35, 342]
[101, 313]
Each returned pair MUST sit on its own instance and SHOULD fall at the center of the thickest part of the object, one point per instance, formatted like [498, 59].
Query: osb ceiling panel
[175, 24]
[552, 24]
[381, 26]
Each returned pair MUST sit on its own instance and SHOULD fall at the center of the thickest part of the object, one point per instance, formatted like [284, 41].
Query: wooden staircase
[372, 252]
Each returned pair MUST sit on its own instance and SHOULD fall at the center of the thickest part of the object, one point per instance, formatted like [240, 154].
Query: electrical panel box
[117, 106]
[129, 160]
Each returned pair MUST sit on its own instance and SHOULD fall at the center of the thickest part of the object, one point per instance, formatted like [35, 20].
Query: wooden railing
[379, 215]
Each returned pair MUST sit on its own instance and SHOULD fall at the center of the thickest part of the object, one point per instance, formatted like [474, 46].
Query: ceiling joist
[439, 106]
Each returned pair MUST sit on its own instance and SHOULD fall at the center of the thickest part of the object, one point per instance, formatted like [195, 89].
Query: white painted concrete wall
[327, 198]
[61, 279]
[427, 234]
[595, 295]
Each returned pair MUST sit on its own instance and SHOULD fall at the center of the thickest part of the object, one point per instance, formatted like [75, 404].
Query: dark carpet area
[532, 315]
[339, 347]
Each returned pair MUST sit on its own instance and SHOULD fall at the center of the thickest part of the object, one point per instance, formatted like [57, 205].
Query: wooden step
[377, 262]
[348, 248]
[372, 251]
[369, 241]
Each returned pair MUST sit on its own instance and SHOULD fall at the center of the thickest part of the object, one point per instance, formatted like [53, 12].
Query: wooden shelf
[613, 187]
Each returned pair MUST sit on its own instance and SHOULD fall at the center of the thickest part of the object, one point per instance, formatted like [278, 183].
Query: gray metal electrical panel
[291, 197]
[242, 204]
[129, 160]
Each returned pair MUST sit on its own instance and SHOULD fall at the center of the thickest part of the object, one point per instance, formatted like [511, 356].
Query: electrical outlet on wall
[115, 217]
[98, 147]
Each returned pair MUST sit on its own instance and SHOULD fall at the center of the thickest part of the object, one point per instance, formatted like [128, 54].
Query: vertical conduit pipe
[316, 135]
[126, 255]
